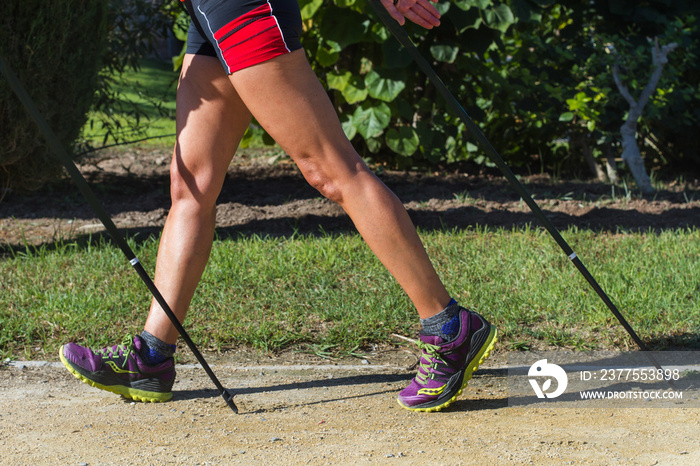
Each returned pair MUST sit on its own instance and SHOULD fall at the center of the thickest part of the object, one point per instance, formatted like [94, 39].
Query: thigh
[211, 120]
[287, 99]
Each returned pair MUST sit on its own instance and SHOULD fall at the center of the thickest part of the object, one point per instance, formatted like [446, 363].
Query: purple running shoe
[121, 370]
[446, 366]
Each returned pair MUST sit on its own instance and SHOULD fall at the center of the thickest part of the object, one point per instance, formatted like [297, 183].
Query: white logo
[542, 369]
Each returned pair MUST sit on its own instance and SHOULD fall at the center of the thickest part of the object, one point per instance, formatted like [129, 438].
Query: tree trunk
[596, 170]
[628, 131]
[631, 155]
[610, 165]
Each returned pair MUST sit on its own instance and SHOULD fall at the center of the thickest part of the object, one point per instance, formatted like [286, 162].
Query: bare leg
[287, 99]
[211, 120]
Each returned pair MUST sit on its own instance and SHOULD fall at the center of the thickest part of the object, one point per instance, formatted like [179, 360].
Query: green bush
[388, 108]
[55, 49]
[531, 73]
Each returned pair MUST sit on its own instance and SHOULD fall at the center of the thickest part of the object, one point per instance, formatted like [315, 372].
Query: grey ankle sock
[155, 350]
[437, 324]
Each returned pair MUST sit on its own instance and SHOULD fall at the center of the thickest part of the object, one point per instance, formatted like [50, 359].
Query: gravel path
[320, 414]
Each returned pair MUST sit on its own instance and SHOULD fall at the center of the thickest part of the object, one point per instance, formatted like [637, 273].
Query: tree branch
[660, 58]
[620, 85]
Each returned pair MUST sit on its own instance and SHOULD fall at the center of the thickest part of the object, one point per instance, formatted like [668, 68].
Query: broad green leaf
[371, 120]
[386, 86]
[309, 8]
[573, 104]
[333, 46]
[352, 87]
[379, 33]
[374, 145]
[326, 57]
[343, 26]
[500, 17]
[404, 141]
[348, 126]
[583, 97]
[467, 4]
[444, 52]
[338, 81]
[566, 116]
[355, 91]
[442, 7]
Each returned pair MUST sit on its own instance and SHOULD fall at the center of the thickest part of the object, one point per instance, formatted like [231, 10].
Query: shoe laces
[123, 349]
[430, 357]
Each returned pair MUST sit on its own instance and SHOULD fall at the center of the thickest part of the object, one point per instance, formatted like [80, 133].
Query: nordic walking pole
[84, 188]
[456, 108]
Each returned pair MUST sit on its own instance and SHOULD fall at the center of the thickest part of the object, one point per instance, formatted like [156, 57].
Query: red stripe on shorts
[251, 39]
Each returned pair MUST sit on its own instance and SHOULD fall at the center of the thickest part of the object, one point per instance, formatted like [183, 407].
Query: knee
[337, 181]
[327, 185]
[190, 188]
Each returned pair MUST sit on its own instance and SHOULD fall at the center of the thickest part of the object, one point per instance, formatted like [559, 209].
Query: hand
[421, 12]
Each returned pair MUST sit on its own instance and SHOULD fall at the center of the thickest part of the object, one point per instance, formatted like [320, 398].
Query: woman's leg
[211, 120]
[287, 99]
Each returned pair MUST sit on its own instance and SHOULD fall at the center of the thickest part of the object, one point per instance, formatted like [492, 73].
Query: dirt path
[299, 411]
[320, 414]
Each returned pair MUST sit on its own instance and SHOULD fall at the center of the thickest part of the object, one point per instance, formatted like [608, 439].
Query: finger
[396, 14]
[405, 5]
[413, 17]
[428, 8]
[422, 17]
[422, 12]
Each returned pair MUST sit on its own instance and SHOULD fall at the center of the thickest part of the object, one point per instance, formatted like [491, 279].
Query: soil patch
[266, 196]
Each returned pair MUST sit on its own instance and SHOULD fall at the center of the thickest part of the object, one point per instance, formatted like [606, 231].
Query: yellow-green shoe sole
[126, 392]
[471, 368]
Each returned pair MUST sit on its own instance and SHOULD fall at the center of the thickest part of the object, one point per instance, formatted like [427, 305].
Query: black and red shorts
[242, 33]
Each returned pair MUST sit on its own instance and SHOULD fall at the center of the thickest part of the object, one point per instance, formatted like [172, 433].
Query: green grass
[330, 295]
[150, 91]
